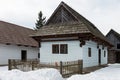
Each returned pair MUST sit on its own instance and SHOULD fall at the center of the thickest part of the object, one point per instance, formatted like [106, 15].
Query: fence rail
[66, 68]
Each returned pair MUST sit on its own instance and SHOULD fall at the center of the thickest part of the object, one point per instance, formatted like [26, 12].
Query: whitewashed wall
[74, 51]
[14, 52]
[93, 60]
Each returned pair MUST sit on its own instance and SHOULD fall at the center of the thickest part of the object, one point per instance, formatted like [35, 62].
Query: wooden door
[99, 56]
[23, 55]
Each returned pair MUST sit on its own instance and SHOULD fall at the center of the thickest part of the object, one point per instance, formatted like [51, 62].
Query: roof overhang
[80, 36]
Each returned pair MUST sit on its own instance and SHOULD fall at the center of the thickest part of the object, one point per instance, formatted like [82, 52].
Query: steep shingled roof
[65, 20]
[16, 35]
[114, 33]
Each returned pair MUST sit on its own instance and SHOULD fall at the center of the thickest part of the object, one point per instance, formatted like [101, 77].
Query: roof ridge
[116, 33]
[112, 30]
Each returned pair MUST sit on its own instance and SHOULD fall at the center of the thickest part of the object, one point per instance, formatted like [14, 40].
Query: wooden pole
[61, 67]
[9, 64]
[32, 65]
[80, 66]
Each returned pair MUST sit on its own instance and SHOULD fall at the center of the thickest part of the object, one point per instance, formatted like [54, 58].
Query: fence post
[32, 65]
[14, 64]
[61, 67]
[9, 64]
[80, 66]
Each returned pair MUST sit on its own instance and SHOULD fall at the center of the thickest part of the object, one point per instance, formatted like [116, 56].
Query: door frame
[23, 55]
[99, 56]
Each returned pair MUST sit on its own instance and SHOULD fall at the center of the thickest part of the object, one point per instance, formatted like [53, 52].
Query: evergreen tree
[41, 21]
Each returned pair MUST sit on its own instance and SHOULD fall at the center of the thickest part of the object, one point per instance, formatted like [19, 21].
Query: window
[38, 55]
[63, 49]
[118, 46]
[89, 52]
[59, 48]
[104, 53]
[55, 49]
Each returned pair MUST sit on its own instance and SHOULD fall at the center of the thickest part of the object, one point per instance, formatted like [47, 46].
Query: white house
[15, 43]
[68, 36]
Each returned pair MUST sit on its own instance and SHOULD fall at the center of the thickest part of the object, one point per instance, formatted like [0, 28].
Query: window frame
[118, 45]
[55, 49]
[63, 48]
[89, 52]
[59, 48]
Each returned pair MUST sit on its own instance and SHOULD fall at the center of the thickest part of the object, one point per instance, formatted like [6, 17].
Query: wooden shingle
[16, 35]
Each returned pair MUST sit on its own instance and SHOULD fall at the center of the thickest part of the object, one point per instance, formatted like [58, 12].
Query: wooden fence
[66, 68]
[26, 65]
[71, 67]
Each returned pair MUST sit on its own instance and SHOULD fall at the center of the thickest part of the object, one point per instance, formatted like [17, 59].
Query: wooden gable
[113, 37]
[62, 15]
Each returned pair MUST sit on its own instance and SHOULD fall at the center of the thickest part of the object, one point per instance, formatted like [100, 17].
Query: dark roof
[16, 35]
[62, 29]
[65, 20]
[114, 33]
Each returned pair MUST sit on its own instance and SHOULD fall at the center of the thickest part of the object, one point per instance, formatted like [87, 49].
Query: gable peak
[113, 31]
[62, 2]
[62, 14]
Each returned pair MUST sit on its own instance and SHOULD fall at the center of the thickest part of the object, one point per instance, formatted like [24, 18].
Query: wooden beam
[8, 43]
[39, 44]
[82, 43]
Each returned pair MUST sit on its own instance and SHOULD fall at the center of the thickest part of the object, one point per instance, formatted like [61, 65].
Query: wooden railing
[66, 68]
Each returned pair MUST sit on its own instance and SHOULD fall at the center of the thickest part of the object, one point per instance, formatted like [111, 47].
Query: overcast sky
[105, 14]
